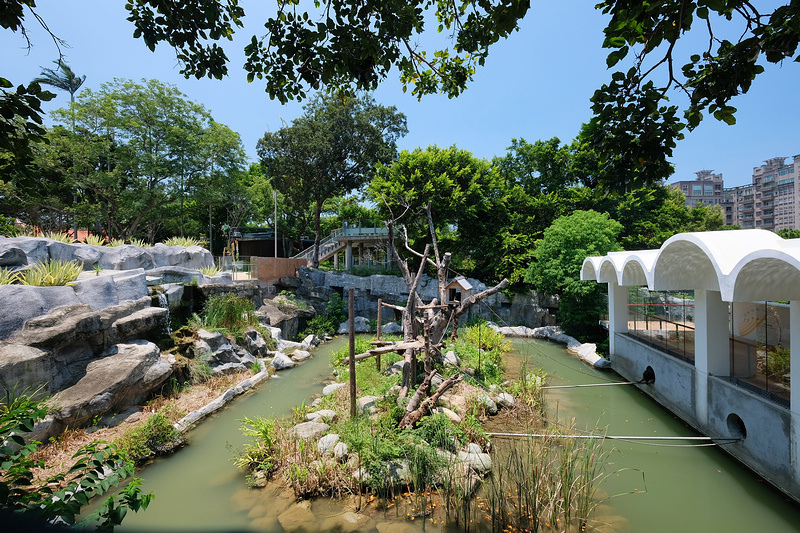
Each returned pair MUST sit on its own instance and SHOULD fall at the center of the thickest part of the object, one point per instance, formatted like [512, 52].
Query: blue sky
[535, 85]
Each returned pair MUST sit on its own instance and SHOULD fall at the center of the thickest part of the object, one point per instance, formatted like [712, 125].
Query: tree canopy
[331, 150]
[342, 44]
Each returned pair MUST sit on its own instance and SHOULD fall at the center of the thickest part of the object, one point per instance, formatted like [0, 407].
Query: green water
[656, 487]
[198, 488]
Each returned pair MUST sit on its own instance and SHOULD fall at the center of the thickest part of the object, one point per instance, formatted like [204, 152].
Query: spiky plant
[210, 271]
[95, 240]
[183, 241]
[51, 273]
[116, 242]
[7, 277]
[61, 237]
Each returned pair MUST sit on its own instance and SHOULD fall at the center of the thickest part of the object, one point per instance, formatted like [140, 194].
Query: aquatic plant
[51, 273]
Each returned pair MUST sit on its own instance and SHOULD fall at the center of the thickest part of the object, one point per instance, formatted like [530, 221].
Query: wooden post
[378, 357]
[351, 322]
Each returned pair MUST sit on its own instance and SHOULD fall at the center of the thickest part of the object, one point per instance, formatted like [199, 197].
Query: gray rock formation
[281, 361]
[326, 443]
[360, 325]
[309, 430]
[122, 376]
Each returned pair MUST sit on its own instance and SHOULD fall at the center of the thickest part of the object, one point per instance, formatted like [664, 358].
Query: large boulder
[26, 368]
[11, 255]
[124, 375]
[24, 302]
[360, 325]
[281, 361]
[309, 430]
[125, 257]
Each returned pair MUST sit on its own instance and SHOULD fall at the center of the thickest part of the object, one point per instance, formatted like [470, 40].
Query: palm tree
[62, 78]
[65, 79]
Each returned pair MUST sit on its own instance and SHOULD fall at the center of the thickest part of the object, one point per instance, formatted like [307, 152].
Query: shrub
[116, 242]
[210, 271]
[51, 273]
[136, 242]
[98, 466]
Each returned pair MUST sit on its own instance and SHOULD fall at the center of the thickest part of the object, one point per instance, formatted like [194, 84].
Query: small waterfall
[164, 304]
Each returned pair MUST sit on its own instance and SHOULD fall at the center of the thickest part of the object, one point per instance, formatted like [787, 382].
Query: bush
[7, 277]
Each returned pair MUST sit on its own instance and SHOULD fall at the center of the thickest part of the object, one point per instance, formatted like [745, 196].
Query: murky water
[648, 487]
[657, 486]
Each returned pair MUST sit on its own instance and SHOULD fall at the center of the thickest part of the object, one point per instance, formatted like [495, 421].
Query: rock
[326, 443]
[396, 368]
[361, 325]
[309, 342]
[214, 339]
[26, 368]
[392, 328]
[504, 399]
[366, 404]
[491, 407]
[298, 518]
[479, 462]
[300, 355]
[224, 354]
[281, 361]
[255, 342]
[309, 430]
[30, 302]
[333, 387]
[124, 375]
[449, 414]
[348, 522]
[328, 415]
[473, 447]
[451, 359]
[340, 451]
[228, 368]
[11, 255]
[287, 346]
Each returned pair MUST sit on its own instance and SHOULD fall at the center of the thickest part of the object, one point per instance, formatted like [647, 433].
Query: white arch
[765, 275]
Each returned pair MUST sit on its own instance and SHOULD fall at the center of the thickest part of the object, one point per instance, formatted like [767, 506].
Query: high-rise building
[771, 202]
[706, 189]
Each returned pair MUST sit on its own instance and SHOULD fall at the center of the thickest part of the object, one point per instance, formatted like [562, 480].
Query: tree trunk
[414, 414]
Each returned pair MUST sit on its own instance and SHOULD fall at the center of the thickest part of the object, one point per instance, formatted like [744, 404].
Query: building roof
[743, 265]
[462, 282]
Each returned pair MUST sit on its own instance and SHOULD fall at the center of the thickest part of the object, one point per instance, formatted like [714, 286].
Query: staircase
[327, 248]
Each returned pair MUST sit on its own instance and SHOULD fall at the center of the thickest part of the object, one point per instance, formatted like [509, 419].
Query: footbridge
[370, 244]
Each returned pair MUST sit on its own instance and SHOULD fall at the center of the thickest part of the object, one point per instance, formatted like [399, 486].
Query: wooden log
[412, 418]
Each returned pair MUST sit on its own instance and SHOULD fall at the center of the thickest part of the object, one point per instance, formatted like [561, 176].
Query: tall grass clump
[543, 484]
[116, 242]
[482, 348]
[153, 437]
[183, 241]
[230, 312]
[138, 242]
[210, 271]
[53, 273]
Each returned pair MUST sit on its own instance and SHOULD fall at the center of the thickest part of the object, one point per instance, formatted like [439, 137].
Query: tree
[331, 150]
[558, 258]
[137, 149]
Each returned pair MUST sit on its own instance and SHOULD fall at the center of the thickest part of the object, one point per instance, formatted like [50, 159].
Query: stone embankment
[586, 352]
[88, 344]
[317, 286]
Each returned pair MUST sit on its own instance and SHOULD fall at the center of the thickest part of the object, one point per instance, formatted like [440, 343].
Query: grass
[210, 271]
[7, 277]
[151, 438]
[95, 240]
[230, 312]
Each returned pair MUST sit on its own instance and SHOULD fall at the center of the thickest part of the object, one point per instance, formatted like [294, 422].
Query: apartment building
[771, 201]
[706, 189]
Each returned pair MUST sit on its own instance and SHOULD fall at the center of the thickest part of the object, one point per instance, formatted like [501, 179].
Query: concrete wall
[767, 448]
[674, 386]
[273, 268]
